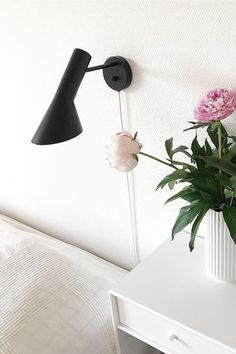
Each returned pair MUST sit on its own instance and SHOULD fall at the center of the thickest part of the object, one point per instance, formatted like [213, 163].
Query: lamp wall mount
[116, 72]
[119, 76]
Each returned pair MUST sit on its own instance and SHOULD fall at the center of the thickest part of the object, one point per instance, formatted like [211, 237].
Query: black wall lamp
[61, 121]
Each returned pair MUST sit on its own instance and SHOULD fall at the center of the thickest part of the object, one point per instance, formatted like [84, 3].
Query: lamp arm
[99, 67]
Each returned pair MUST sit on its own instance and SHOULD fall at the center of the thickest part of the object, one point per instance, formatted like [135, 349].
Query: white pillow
[11, 241]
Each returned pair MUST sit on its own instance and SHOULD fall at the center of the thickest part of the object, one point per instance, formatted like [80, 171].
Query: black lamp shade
[61, 121]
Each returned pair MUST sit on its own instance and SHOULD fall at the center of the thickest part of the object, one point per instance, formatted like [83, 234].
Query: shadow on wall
[137, 74]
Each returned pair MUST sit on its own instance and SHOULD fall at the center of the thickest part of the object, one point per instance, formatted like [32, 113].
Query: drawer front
[164, 334]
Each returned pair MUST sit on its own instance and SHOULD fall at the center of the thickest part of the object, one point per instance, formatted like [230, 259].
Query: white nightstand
[169, 303]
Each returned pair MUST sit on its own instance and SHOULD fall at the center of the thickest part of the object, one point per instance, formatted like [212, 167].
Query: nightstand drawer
[162, 333]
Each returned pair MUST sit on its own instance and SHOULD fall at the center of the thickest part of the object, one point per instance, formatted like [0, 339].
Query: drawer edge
[171, 321]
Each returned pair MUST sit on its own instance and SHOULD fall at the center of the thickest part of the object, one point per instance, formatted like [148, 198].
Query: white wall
[177, 49]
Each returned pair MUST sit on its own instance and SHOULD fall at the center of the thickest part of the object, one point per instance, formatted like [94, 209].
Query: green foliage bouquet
[209, 175]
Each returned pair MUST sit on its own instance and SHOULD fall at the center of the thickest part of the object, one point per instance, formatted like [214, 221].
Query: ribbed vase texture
[220, 248]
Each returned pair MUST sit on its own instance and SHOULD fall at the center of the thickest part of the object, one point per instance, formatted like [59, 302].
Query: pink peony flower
[218, 104]
[122, 152]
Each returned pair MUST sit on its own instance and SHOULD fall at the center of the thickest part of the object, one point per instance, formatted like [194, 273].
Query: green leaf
[171, 184]
[196, 125]
[213, 136]
[181, 148]
[169, 146]
[233, 182]
[135, 136]
[184, 164]
[187, 154]
[224, 136]
[199, 204]
[208, 187]
[185, 217]
[191, 196]
[233, 138]
[197, 151]
[212, 131]
[195, 227]
[181, 213]
[229, 193]
[208, 148]
[231, 153]
[229, 185]
[221, 164]
[215, 125]
[185, 191]
[229, 214]
[210, 200]
[204, 172]
[205, 181]
[225, 180]
[193, 122]
[195, 147]
[178, 174]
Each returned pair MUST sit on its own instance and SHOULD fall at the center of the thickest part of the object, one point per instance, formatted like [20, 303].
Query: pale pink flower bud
[122, 152]
[216, 105]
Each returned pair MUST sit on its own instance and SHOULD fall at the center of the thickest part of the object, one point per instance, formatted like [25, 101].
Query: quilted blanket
[50, 303]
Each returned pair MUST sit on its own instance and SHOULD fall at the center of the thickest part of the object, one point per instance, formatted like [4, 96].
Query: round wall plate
[119, 76]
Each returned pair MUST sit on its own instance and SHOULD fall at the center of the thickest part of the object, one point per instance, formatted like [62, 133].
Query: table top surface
[174, 283]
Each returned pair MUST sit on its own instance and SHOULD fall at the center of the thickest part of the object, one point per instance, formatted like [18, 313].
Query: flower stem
[220, 155]
[220, 141]
[155, 158]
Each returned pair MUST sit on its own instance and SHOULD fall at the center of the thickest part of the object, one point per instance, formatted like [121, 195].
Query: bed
[53, 296]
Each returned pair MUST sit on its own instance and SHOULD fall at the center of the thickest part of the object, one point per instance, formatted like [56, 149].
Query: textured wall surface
[177, 49]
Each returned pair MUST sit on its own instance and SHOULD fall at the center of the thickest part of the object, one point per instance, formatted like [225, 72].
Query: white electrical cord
[120, 112]
[129, 179]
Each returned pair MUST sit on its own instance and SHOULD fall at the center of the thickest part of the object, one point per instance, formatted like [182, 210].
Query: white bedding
[53, 296]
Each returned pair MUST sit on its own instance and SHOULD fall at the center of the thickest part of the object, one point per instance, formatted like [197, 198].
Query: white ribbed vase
[220, 248]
